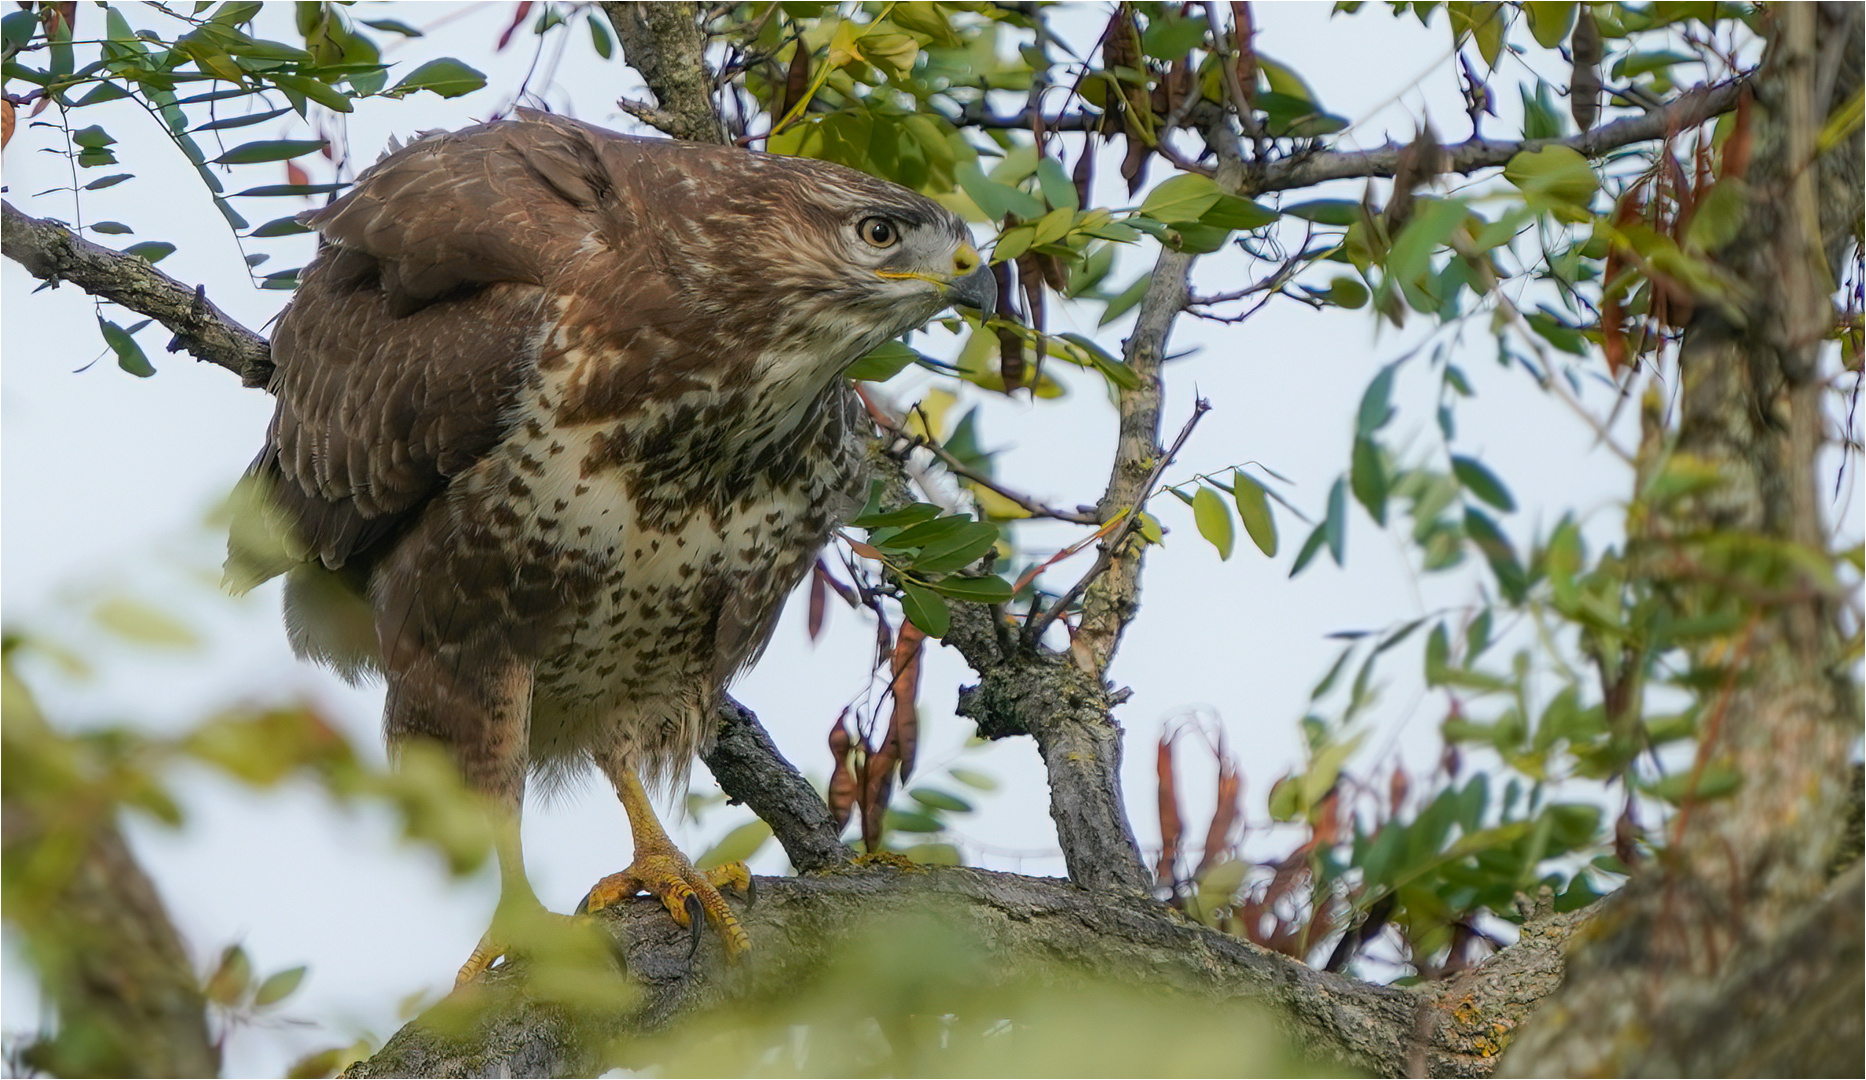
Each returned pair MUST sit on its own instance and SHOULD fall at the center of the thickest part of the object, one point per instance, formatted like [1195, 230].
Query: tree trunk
[1702, 950]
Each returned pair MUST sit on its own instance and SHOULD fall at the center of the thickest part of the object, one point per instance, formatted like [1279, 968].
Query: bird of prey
[561, 420]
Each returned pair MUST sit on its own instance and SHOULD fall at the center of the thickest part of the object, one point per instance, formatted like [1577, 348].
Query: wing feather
[412, 333]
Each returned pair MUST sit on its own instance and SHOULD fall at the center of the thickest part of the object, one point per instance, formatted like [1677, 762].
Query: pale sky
[108, 479]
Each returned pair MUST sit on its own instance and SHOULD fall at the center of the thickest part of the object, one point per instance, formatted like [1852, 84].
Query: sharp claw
[583, 905]
[696, 916]
[751, 891]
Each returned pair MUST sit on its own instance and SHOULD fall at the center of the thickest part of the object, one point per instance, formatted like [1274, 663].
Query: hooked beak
[971, 282]
[977, 289]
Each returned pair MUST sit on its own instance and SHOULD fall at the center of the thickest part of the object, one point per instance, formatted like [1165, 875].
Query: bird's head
[831, 261]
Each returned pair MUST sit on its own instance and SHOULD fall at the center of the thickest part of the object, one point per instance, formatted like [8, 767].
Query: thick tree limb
[663, 42]
[52, 252]
[1014, 929]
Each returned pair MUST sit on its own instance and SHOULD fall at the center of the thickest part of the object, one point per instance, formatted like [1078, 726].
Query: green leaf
[1235, 212]
[1368, 477]
[1550, 20]
[1058, 190]
[92, 138]
[278, 986]
[935, 799]
[269, 150]
[974, 779]
[912, 821]
[938, 530]
[1307, 552]
[297, 190]
[1431, 226]
[130, 356]
[1335, 526]
[1555, 172]
[599, 38]
[976, 590]
[912, 514]
[395, 26]
[925, 608]
[996, 200]
[288, 225]
[447, 77]
[1376, 403]
[1719, 215]
[153, 251]
[317, 90]
[110, 228]
[1346, 292]
[736, 846]
[1214, 520]
[882, 364]
[1337, 212]
[1254, 509]
[1125, 300]
[1183, 198]
[1116, 371]
[1482, 483]
[240, 121]
[958, 551]
[1499, 553]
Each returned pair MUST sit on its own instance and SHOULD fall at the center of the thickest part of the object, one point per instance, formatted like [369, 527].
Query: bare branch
[663, 42]
[54, 253]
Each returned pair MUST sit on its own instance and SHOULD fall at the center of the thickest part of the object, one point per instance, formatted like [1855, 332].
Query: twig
[1130, 517]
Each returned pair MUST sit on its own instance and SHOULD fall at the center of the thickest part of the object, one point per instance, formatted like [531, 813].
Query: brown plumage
[561, 422]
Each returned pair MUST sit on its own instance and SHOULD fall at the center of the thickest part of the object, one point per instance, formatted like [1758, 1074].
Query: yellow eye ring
[878, 232]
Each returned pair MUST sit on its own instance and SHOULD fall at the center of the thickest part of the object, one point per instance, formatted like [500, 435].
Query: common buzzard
[561, 421]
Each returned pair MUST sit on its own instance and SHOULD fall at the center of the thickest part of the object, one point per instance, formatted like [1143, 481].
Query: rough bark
[1031, 931]
[54, 253]
[750, 770]
[664, 42]
[1723, 914]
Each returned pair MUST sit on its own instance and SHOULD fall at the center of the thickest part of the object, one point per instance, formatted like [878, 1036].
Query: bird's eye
[879, 232]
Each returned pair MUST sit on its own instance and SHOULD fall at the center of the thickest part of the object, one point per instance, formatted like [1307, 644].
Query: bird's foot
[529, 931]
[691, 896]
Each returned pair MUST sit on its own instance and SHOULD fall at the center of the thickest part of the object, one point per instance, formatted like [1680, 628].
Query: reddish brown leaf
[1134, 165]
[904, 728]
[1397, 786]
[6, 122]
[1224, 816]
[295, 173]
[796, 80]
[1736, 148]
[1083, 175]
[877, 789]
[518, 20]
[1246, 45]
[1170, 828]
[842, 784]
[819, 602]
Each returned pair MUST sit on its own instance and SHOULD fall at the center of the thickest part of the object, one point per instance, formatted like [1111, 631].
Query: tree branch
[996, 933]
[663, 42]
[1688, 110]
[54, 253]
[750, 770]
